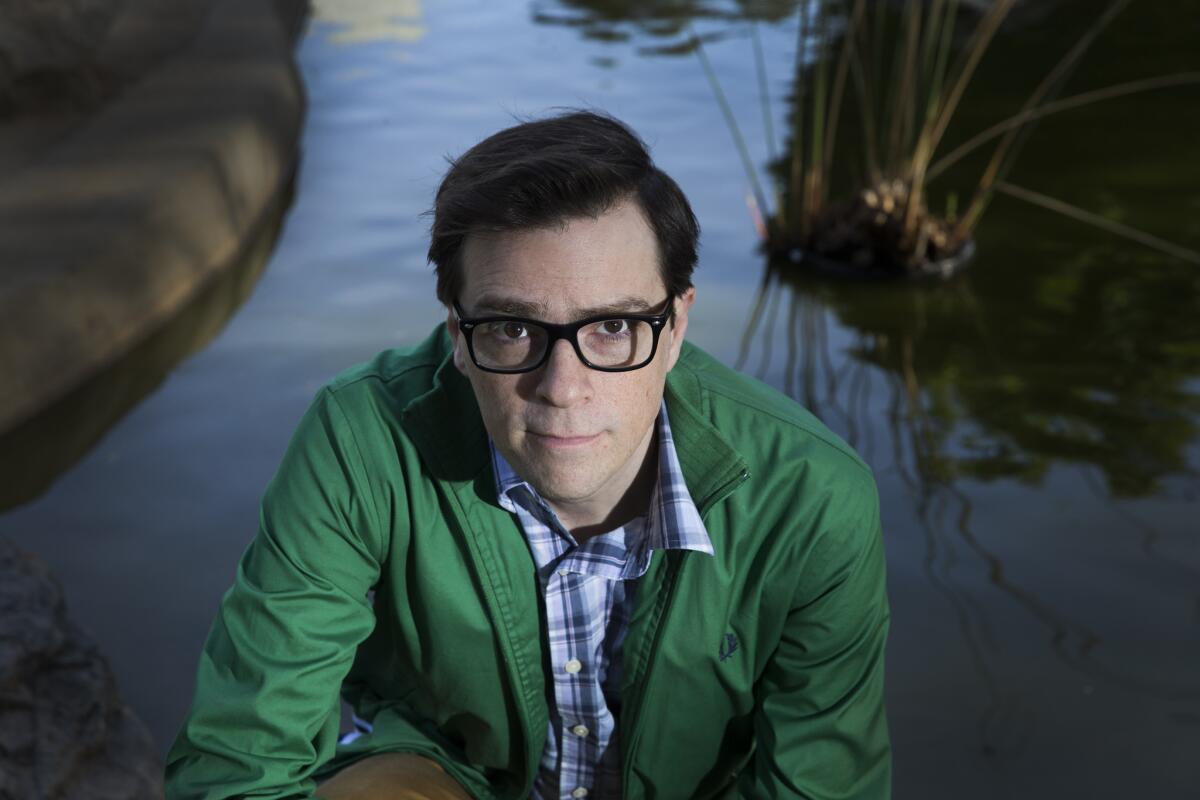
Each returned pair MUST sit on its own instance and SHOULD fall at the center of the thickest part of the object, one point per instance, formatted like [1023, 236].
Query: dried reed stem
[1065, 104]
[1053, 80]
[1118, 228]
[730, 121]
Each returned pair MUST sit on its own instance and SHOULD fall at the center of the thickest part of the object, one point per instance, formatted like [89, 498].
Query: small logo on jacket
[728, 646]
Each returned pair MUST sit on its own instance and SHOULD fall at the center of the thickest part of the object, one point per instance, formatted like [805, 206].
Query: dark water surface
[1032, 422]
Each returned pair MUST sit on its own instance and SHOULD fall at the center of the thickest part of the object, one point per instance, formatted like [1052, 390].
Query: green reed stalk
[899, 97]
[764, 99]
[929, 50]
[798, 208]
[876, 52]
[816, 177]
[935, 127]
[1065, 104]
[764, 95]
[980, 40]
[866, 111]
[1000, 162]
[1109, 225]
[939, 39]
[839, 88]
[910, 87]
[731, 122]
[944, 39]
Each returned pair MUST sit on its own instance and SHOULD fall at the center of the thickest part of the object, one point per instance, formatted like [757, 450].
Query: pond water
[1032, 422]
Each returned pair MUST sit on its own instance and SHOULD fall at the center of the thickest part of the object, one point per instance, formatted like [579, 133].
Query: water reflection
[358, 21]
[667, 24]
[1087, 363]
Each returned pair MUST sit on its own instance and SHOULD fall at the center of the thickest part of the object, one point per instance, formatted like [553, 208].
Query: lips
[563, 440]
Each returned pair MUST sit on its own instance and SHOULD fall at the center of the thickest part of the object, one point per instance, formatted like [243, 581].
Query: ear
[461, 357]
[683, 304]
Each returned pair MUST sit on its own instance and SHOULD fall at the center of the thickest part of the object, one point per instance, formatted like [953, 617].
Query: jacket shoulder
[403, 373]
[759, 419]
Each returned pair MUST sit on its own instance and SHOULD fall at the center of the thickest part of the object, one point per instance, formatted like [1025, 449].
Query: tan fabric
[392, 776]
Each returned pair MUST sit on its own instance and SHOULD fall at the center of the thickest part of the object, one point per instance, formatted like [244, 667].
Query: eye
[614, 326]
[513, 330]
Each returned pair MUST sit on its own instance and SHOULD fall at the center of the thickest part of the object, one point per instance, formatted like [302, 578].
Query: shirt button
[563, 572]
[580, 730]
[572, 667]
[579, 791]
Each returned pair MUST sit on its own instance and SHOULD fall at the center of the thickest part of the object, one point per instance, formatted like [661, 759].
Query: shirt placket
[575, 601]
[584, 593]
[576, 684]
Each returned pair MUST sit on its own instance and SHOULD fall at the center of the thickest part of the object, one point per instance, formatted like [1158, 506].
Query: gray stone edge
[108, 236]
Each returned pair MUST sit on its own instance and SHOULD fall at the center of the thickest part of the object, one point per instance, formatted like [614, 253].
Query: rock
[64, 732]
[109, 232]
[48, 52]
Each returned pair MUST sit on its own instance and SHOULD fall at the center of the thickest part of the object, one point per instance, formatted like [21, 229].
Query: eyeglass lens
[508, 344]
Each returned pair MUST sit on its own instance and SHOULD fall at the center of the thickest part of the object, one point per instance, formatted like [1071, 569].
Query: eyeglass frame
[568, 331]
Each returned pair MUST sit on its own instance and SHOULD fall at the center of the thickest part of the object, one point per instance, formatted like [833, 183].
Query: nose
[564, 379]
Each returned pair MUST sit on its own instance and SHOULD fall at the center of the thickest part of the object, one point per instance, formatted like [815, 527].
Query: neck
[592, 517]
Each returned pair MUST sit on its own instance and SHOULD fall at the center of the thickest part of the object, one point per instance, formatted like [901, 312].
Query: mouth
[557, 441]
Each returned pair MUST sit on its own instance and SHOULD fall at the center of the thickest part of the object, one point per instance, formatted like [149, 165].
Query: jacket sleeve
[266, 708]
[820, 728]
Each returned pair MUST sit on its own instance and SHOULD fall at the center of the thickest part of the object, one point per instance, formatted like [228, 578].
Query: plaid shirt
[588, 592]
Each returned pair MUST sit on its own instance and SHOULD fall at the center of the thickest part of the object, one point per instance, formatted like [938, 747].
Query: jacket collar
[445, 425]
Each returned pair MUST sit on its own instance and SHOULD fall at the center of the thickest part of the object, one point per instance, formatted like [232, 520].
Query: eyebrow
[629, 304]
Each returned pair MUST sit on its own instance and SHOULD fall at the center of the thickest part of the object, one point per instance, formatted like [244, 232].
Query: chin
[562, 488]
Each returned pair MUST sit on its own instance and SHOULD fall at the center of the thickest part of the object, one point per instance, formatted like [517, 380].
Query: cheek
[497, 399]
[640, 396]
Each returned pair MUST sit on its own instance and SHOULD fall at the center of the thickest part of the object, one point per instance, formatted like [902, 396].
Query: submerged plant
[907, 79]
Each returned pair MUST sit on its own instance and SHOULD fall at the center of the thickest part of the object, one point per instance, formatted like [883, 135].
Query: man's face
[577, 434]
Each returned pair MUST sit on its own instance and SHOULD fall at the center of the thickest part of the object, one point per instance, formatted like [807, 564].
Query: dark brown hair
[548, 171]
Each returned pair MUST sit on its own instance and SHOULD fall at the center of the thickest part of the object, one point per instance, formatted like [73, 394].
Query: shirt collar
[673, 521]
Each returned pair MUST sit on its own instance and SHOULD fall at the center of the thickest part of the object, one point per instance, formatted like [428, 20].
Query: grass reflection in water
[1001, 394]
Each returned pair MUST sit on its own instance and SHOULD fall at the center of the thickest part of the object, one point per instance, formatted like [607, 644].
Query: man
[553, 550]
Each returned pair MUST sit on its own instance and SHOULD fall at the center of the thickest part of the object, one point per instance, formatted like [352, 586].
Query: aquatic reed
[908, 77]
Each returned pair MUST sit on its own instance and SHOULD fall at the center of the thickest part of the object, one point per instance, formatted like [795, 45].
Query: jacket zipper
[672, 576]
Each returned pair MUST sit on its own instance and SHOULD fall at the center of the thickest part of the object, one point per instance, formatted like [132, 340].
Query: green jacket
[754, 673]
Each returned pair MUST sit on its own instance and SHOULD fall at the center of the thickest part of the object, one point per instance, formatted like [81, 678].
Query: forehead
[584, 263]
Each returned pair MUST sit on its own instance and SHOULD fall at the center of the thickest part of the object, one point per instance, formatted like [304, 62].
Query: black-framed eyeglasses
[609, 343]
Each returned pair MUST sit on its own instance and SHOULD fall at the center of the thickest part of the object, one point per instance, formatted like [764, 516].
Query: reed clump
[901, 78]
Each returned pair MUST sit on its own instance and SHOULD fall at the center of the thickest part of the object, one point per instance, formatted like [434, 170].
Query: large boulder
[64, 732]
[50, 52]
[110, 232]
